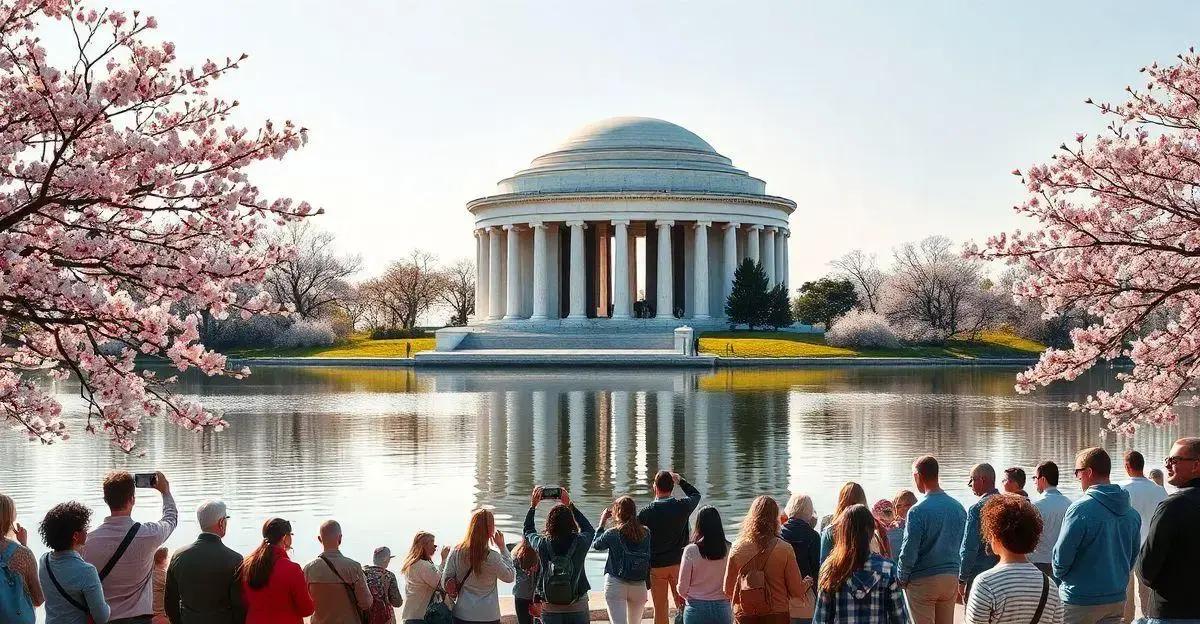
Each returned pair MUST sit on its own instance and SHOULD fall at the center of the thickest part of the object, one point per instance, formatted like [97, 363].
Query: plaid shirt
[870, 596]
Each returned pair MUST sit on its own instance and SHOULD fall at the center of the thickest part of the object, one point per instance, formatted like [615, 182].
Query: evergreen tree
[780, 309]
[824, 300]
[749, 300]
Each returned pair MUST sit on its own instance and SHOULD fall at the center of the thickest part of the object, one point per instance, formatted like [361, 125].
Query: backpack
[751, 594]
[558, 578]
[381, 608]
[633, 565]
[15, 605]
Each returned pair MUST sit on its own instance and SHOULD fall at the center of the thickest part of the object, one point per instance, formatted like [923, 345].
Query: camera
[551, 491]
[145, 480]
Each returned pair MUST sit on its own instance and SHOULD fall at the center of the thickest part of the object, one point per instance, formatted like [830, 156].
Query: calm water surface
[390, 452]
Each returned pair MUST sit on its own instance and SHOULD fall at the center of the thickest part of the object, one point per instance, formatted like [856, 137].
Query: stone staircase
[484, 340]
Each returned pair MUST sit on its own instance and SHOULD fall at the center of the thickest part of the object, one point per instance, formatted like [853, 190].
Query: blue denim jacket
[80, 581]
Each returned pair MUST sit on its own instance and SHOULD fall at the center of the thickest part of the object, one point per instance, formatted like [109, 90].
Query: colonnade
[542, 270]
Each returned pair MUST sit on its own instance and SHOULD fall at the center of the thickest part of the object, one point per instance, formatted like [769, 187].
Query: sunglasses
[1079, 470]
[1172, 460]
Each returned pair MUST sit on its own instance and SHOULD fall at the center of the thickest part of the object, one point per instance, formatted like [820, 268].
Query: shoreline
[600, 361]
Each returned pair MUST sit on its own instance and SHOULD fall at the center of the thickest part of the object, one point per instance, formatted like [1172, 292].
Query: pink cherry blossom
[125, 210]
[1118, 236]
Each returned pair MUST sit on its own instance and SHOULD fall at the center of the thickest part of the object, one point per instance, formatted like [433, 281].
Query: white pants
[626, 601]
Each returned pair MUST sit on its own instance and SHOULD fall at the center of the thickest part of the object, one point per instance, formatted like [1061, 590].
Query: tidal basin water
[390, 452]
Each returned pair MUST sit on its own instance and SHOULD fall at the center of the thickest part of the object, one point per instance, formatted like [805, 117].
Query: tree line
[316, 286]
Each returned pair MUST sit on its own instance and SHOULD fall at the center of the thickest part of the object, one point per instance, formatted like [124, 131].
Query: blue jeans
[707, 612]
[574, 617]
[801, 620]
[1149, 620]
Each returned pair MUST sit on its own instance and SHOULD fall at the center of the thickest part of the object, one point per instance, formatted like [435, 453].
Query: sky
[886, 122]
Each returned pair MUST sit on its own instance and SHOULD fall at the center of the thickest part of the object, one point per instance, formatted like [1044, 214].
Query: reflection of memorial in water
[739, 433]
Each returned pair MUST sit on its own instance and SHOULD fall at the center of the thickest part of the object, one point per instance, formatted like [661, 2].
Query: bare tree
[459, 291]
[315, 279]
[863, 271]
[934, 292]
[408, 289]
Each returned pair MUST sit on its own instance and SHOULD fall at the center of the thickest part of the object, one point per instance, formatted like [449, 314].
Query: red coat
[284, 599]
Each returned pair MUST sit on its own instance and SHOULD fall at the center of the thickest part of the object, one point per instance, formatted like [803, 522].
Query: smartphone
[145, 480]
[551, 491]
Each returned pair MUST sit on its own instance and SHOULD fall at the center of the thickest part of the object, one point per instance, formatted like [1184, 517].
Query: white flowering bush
[303, 333]
[862, 330]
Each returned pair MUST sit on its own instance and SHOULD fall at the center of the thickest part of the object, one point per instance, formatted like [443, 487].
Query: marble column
[578, 308]
[494, 278]
[512, 299]
[730, 257]
[665, 306]
[781, 257]
[541, 277]
[700, 271]
[620, 278]
[752, 242]
[768, 255]
[482, 277]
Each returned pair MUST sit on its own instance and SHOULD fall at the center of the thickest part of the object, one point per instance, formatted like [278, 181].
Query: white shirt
[1052, 506]
[1144, 496]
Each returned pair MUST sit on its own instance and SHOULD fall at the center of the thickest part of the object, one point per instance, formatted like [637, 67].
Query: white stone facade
[559, 244]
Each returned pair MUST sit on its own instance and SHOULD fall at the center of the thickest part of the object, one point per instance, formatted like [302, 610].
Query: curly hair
[1013, 521]
[61, 523]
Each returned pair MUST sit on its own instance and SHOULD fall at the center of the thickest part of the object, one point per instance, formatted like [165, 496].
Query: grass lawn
[357, 347]
[992, 344]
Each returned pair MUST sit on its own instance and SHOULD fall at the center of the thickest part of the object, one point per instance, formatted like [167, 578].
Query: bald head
[331, 534]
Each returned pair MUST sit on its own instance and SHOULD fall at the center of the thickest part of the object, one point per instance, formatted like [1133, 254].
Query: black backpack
[558, 579]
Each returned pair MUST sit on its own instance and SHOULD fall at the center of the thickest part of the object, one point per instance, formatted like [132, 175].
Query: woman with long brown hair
[562, 548]
[762, 575]
[857, 584]
[853, 494]
[473, 569]
[273, 586]
[421, 577]
[628, 566]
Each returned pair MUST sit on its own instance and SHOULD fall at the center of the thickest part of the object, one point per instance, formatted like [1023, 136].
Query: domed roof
[634, 132]
[632, 154]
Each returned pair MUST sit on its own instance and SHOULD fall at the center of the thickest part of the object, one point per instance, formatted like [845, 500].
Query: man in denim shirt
[929, 553]
[974, 554]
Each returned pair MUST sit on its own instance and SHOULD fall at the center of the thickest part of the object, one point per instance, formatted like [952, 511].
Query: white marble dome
[624, 154]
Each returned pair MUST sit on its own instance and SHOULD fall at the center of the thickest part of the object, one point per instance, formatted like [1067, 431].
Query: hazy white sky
[884, 121]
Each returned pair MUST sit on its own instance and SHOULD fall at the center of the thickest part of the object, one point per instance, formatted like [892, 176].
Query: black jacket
[667, 519]
[1168, 561]
[806, 542]
[202, 584]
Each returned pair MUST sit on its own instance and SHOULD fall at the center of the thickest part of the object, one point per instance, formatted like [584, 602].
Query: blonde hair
[799, 506]
[416, 552]
[8, 515]
[761, 522]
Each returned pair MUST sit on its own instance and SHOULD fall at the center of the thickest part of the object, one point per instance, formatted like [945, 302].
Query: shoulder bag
[363, 616]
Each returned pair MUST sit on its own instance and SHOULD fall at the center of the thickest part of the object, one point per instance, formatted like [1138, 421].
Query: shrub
[387, 333]
[304, 333]
[863, 330]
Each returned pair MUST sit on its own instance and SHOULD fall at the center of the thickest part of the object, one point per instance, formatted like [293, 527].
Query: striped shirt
[1009, 594]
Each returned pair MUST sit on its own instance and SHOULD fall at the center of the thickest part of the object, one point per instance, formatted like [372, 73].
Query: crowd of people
[1117, 552]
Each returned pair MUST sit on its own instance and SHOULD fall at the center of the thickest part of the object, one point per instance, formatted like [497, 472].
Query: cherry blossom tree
[124, 203]
[1118, 237]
